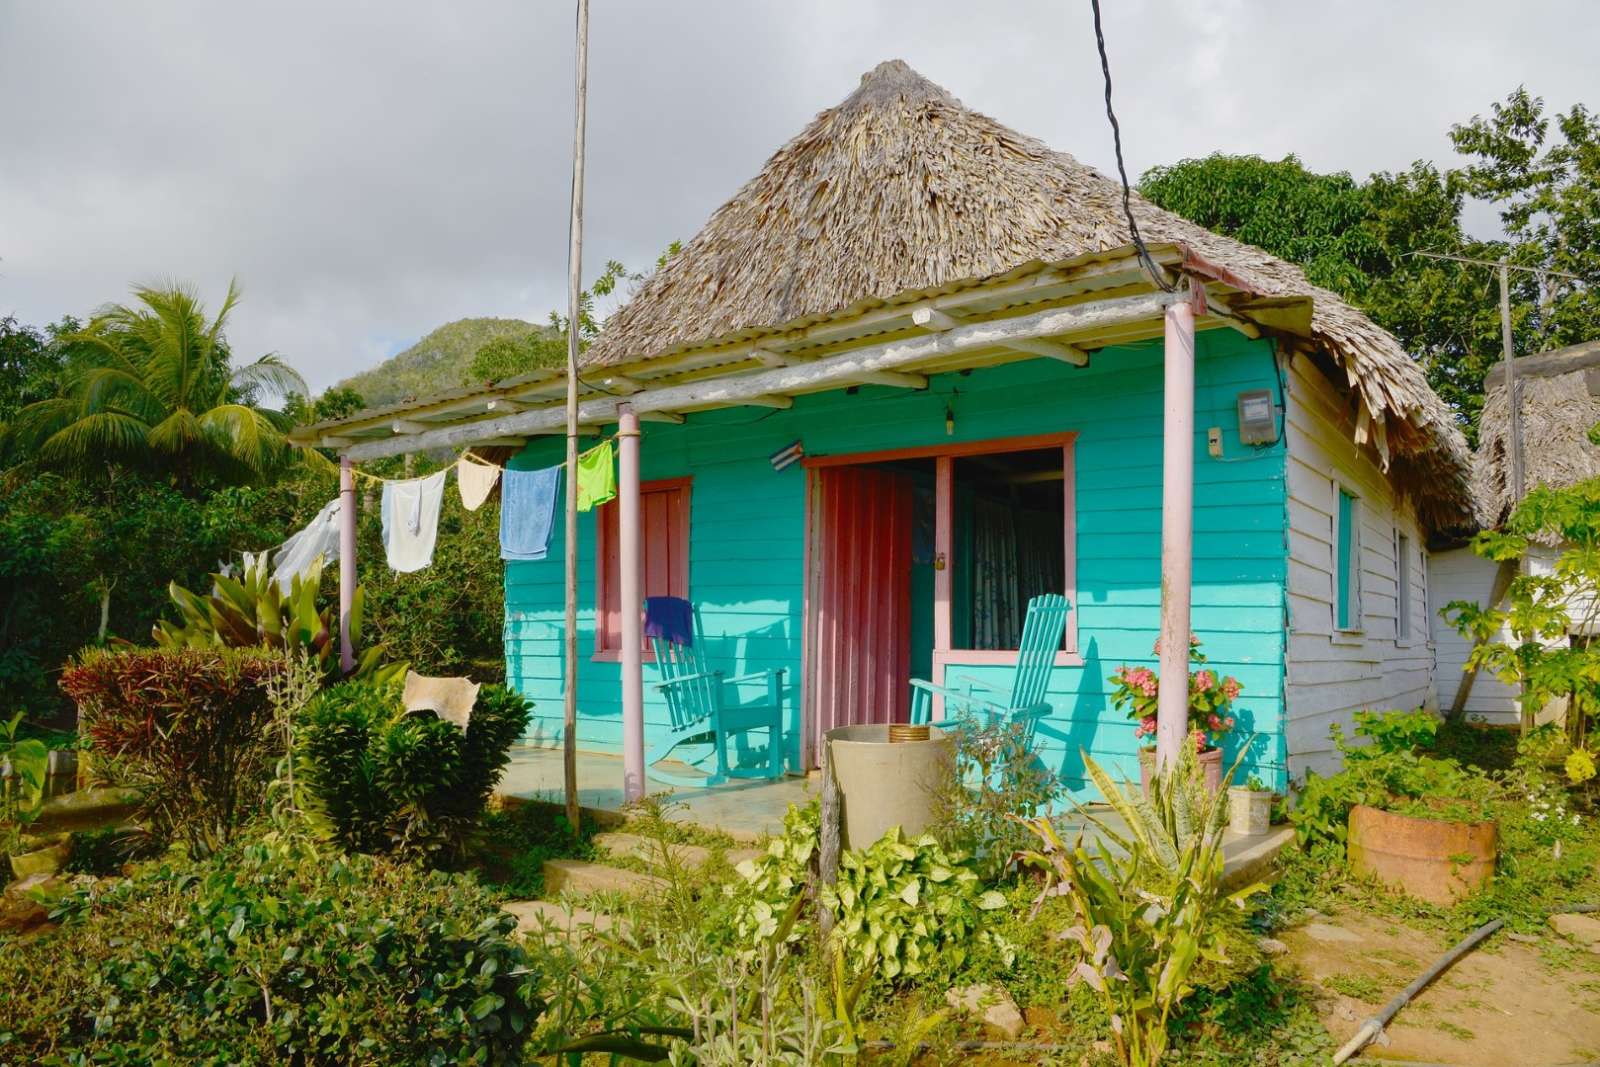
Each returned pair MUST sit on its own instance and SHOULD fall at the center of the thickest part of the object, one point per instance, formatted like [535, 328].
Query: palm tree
[152, 386]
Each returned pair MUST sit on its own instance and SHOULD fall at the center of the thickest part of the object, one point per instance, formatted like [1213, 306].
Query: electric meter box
[1258, 418]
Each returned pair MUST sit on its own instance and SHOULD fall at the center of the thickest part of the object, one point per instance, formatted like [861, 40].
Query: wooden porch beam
[505, 407]
[777, 403]
[895, 379]
[1052, 349]
[905, 353]
[933, 320]
[408, 426]
[661, 416]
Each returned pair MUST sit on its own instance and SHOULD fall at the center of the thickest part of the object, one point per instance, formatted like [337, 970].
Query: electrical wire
[1156, 274]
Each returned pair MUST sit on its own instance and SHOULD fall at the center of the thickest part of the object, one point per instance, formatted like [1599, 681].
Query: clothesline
[469, 454]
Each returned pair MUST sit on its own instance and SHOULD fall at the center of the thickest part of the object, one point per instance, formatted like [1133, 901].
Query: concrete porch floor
[745, 810]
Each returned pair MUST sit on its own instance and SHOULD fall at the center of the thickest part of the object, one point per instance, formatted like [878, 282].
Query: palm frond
[246, 435]
[100, 435]
[271, 372]
[177, 433]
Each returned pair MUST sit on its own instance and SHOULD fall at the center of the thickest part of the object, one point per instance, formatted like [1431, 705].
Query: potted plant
[1413, 821]
[1211, 696]
[1250, 808]
[23, 763]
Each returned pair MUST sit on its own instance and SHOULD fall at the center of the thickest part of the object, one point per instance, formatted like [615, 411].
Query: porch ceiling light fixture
[1258, 421]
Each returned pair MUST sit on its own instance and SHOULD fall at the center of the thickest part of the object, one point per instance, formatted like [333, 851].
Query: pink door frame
[944, 656]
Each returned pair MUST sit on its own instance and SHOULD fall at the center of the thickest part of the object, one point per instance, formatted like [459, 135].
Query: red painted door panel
[860, 629]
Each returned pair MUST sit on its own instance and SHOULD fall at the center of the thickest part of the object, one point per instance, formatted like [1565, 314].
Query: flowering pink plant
[1135, 689]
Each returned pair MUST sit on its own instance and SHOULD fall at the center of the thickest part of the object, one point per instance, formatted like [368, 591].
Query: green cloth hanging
[597, 476]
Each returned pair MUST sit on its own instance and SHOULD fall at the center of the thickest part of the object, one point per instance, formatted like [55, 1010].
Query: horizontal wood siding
[1333, 673]
[1461, 574]
[746, 563]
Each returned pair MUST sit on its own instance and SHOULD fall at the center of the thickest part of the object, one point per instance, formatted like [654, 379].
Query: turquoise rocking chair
[1025, 704]
[699, 713]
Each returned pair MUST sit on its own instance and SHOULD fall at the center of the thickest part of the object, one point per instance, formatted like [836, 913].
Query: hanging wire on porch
[1156, 274]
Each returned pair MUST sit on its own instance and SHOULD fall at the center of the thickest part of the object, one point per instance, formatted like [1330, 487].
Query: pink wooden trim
[808, 624]
[956, 448]
[943, 555]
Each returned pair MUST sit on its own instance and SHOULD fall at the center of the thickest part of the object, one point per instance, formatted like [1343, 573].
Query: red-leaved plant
[189, 729]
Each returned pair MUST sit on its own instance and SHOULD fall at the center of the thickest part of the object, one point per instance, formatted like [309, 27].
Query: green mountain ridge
[437, 362]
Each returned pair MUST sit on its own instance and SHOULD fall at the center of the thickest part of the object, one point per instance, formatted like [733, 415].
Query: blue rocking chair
[1025, 704]
[699, 713]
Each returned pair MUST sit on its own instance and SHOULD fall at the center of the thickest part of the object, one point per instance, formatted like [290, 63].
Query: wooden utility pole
[1513, 405]
[569, 732]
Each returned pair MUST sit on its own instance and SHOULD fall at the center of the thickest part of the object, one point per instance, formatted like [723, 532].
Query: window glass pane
[1344, 550]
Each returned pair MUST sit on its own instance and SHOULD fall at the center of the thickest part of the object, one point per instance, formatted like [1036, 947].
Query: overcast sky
[370, 171]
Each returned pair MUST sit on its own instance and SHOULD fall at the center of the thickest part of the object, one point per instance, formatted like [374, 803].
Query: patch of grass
[1264, 1018]
[516, 840]
[1360, 986]
[1460, 1033]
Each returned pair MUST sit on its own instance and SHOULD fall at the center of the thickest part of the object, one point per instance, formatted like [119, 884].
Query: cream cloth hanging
[476, 481]
[411, 520]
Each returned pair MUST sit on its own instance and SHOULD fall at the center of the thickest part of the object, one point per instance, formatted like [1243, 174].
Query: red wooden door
[859, 626]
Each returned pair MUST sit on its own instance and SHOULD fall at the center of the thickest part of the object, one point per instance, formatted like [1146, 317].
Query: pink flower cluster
[1146, 728]
[1140, 679]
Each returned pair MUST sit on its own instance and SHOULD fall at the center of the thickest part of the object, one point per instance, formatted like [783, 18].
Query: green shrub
[188, 727]
[1392, 771]
[253, 957]
[382, 780]
[904, 908]
[770, 883]
[997, 780]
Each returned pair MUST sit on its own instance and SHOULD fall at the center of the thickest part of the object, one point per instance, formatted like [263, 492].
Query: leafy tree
[1358, 237]
[157, 391]
[1548, 192]
[507, 357]
[336, 402]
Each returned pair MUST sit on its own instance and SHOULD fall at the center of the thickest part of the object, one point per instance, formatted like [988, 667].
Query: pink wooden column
[944, 491]
[347, 561]
[1177, 527]
[630, 602]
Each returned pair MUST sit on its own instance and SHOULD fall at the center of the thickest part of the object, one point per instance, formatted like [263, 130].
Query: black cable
[1155, 272]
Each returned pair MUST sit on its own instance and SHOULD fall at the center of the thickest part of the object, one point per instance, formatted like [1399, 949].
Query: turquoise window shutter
[1344, 547]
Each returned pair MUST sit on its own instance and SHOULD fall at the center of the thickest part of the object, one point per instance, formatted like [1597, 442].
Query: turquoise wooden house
[948, 329]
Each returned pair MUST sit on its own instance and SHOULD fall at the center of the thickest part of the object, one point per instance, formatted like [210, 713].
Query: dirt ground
[1530, 1002]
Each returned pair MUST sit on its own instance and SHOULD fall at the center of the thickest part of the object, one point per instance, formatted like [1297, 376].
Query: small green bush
[382, 780]
[255, 957]
[906, 908]
[188, 727]
[1394, 771]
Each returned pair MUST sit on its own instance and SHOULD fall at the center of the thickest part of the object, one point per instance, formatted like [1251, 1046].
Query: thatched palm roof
[1559, 404]
[900, 188]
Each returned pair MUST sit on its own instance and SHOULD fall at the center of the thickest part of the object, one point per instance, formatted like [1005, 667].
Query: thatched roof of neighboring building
[1560, 402]
[900, 188]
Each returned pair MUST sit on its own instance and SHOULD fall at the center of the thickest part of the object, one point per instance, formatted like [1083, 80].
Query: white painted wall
[1459, 574]
[1331, 674]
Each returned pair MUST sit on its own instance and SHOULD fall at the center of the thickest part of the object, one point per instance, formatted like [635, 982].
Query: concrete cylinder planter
[1249, 811]
[883, 784]
[1431, 859]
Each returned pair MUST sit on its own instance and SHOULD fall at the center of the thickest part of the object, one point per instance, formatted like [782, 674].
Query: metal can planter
[1249, 811]
[1431, 859]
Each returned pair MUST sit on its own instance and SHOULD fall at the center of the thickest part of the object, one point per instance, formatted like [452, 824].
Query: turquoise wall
[747, 537]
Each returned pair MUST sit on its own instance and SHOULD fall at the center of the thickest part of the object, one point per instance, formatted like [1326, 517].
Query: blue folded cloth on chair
[527, 512]
[670, 618]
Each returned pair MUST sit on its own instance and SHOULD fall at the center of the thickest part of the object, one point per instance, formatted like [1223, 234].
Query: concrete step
[536, 916]
[649, 850]
[584, 876]
[1250, 859]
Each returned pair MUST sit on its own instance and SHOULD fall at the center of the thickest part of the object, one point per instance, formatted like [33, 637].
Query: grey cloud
[370, 171]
